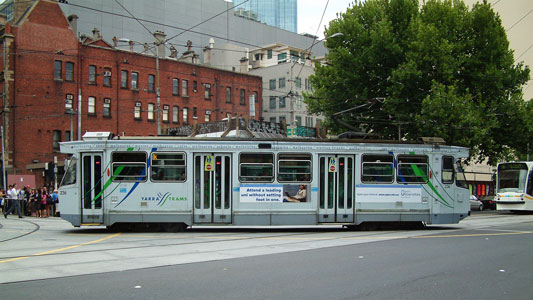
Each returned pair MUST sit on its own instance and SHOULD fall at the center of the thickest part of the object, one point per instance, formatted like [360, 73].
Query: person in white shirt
[12, 195]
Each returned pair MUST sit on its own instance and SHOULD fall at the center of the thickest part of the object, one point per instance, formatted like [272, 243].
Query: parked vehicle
[488, 202]
[475, 203]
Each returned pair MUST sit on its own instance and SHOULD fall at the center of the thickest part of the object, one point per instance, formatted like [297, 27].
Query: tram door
[91, 188]
[212, 188]
[336, 188]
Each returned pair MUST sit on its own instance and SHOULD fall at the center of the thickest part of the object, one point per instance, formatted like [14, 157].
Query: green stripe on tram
[419, 173]
[110, 180]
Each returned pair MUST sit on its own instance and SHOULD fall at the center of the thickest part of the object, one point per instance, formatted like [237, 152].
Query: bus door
[91, 188]
[212, 188]
[336, 188]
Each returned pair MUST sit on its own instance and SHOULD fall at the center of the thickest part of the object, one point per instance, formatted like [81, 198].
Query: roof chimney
[160, 40]
[244, 65]
[96, 34]
[73, 21]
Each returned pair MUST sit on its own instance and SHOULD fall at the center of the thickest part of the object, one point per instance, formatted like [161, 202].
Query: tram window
[70, 174]
[377, 168]
[167, 166]
[412, 169]
[256, 167]
[129, 166]
[294, 167]
[448, 171]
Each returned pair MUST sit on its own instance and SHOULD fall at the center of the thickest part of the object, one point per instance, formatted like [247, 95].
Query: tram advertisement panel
[387, 193]
[262, 193]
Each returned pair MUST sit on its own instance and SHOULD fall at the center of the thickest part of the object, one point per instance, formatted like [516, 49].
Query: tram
[175, 182]
[514, 186]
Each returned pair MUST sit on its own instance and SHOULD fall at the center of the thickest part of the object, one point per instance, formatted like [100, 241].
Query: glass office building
[277, 13]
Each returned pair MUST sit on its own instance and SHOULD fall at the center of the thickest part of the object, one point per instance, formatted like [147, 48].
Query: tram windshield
[512, 177]
[70, 174]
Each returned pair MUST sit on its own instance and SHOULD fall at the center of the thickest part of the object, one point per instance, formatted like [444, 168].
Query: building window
[272, 119]
[175, 114]
[207, 94]
[272, 84]
[107, 107]
[194, 113]
[298, 121]
[124, 79]
[282, 102]
[195, 86]
[299, 82]
[175, 86]
[165, 113]
[282, 57]
[69, 71]
[68, 136]
[309, 121]
[207, 117]
[92, 74]
[91, 106]
[150, 111]
[282, 82]
[282, 119]
[185, 88]
[151, 83]
[137, 111]
[228, 94]
[107, 76]
[242, 97]
[272, 102]
[56, 139]
[58, 69]
[185, 115]
[134, 80]
[269, 54]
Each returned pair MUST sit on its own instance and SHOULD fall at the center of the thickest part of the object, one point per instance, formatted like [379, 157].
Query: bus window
[294, 167]
[448, 171]
[512, 177]
[167, 166]
[70, 174]
[377, 168]
[412, 169]
[256, 167]
[129, 166]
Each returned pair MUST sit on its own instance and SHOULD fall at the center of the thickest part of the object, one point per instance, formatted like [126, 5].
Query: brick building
[57, 86]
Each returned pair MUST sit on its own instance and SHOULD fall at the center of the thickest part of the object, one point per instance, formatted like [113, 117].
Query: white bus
[514, 186]
[174, 182]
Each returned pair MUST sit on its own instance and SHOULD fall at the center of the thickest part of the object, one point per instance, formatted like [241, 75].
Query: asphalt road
[487, 256]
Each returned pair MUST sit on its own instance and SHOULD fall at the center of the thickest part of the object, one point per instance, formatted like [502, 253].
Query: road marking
[61, 249]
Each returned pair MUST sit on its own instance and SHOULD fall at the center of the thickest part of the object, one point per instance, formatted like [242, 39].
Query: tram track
[216, 239]
[37, 228]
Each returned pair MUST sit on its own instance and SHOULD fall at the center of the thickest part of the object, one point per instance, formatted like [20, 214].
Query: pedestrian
[2, 199]
[44, 196]
[15, 202]
[54, 201]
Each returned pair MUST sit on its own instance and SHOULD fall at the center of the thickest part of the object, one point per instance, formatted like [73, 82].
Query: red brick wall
[38, 100]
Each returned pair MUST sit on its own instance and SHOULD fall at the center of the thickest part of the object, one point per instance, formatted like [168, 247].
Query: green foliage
[442, 69]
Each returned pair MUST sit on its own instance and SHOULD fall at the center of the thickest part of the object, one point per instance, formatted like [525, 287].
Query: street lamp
[158, 91]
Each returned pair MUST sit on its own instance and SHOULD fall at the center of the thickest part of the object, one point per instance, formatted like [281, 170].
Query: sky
[310, 12]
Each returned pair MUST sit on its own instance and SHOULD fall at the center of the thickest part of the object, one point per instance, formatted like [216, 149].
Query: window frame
[400, 167]
[284, 158]
[69, 74]
[150, 112]
[58, 69]
[92, 74]
[91, 107]
[135, 81]
[253, 163]
[124, 74]
[372, 159]
[181, 168]
[106, 112]
[140, 177]
[445, 170]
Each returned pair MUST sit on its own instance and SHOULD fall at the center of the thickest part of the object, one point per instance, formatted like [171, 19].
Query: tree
[441, 68]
